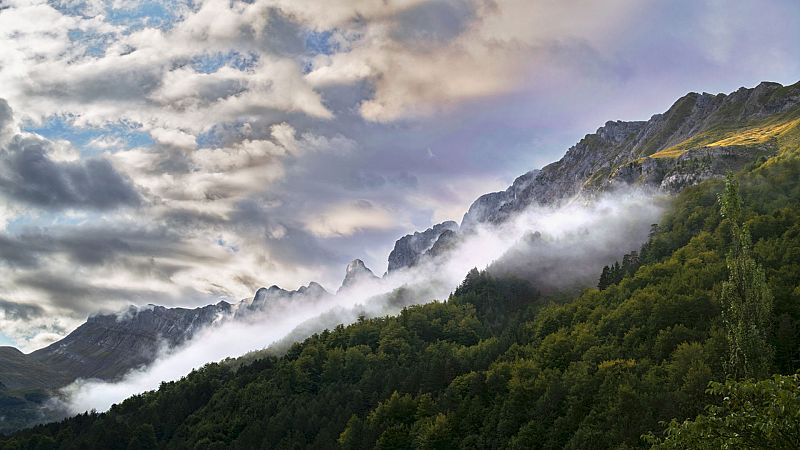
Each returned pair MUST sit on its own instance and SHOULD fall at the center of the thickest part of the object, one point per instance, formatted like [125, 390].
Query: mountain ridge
[700, 136]
[499, 365]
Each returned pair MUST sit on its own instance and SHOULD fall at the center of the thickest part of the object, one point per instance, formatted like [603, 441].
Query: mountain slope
[651, 150]
[496, 366]
[701, 136]
[107, 346]
[17, 371]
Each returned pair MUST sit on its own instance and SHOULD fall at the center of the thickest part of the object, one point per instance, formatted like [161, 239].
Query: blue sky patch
[5, 340]
[60, 127]
[41, 218]
[94, 44]
[156, 14]
[210, 63]
[148, 14]
[320, 43]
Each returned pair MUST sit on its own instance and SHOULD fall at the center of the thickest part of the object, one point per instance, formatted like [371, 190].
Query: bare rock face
[626, 153]
[356, 272]
[408, 249]
[492, 207]
[447, 240]
[265, 296]
[109, 345]
[621, 153]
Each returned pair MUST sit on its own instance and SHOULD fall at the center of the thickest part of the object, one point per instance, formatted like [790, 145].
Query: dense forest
[689, 342]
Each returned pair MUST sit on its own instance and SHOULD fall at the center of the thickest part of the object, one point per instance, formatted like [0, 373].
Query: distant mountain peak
[265, 295]
[356, 272]
[356, 265]
[313, 288]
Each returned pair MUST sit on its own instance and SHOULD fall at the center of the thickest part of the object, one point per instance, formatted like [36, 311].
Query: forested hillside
[498, 366]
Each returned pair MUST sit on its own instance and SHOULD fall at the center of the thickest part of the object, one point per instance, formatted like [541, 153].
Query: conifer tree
[604, 279]
[616, 273]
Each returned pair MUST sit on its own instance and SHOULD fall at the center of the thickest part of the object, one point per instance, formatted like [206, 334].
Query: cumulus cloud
[27, 324]
[19, 310]
[193, 150]
[433, 54]
[146, 75]
[30, 172]
[31, 176]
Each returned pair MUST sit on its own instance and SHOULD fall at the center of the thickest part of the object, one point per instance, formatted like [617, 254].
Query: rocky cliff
[356, 272]
[264, 296]
[408, 249]
[700, 136]
[490, 207]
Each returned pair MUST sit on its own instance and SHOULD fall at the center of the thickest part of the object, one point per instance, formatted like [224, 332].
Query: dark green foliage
[763, 414]
[495, 366]
[746, 297]
[616, 272]
[605, 278]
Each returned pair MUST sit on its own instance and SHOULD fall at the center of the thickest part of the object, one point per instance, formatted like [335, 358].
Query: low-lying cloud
[555, 248]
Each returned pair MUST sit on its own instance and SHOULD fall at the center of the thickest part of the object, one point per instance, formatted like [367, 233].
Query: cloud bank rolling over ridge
[573, 240]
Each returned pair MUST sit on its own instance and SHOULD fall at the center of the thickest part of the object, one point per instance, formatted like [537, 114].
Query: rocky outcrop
[408, 249]
[264, 296]
[695, 165]
[624, 153]
[491, 207]
[356, 272]
[447, 240]
[313, 289]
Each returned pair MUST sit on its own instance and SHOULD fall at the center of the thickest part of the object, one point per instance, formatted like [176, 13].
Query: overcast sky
[183, 152]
